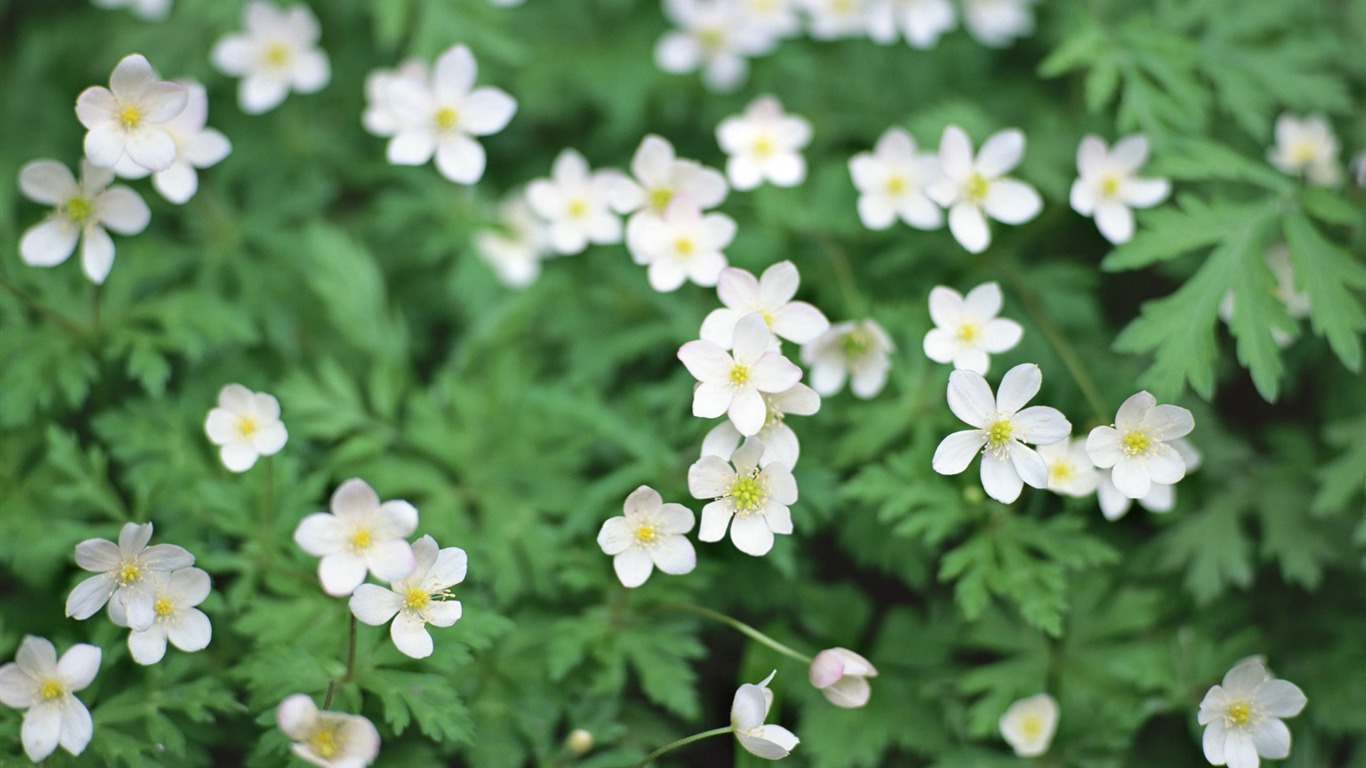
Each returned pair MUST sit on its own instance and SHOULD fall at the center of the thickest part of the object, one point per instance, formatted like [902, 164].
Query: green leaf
[1331, 276]
[1344, 478]
[1211, 547]
[345, 277]
[429, 700]
[1172, 231]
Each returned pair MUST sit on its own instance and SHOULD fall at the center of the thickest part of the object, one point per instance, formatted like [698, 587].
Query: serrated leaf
[426, 699]
[1212, 548]
[1329, 275]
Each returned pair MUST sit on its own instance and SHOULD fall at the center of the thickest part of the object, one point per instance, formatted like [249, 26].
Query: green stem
[267, 509]
[743, 629]
[334, 684]
[39, 308]
[844, 275]
[682, 742]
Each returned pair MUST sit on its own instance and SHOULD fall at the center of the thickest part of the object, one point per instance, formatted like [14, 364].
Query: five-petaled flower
[124, 575]
[732, 382]
[247, 425]
[967, 329]
[278, 52]
[175, 617]
[195, 147]
[1137, 445]
[684, 244]
[751, 500]
[857, 351]
[748, 711]
[650, 534]
[325, 738]
[129, 117]
[842, 676]
[577, 203]
[45, 686]
[83, 210]
[764, 143]
[1107, 188]
[1028, 724]
[974, 187]
[712, 37]
[1306, 147]
[891, 182]
[771, 296]
[1070, 471]
[1242, 717]
[359, 534]
[414, 602]
[659, 181]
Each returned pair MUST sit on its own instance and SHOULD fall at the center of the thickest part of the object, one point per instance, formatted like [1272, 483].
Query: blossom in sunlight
[420, 599]
[151, 10]
[1242, 716]
[650, 534]
[733, 382]
[1306, 147]
[748, 712]
[891, 182]
[771, 296]
[1001, 428]
[515, 249]
[685, 244]
[277, 53]
[129, 117]
[842, 676]
[1137, 445]
[713, 36]
[247, 425]
[326, 738]
[1296, 301]
[1070, 471]
[780, 442]
[359, 534]
[1028, 725]
[837, 19]
[379, 117]
[441, 118]
[660, 180]
[1160, 499]
[749, 499]
[45, 686]
[858, 351]
[175, 618]
[967, 329]
[1107, 188]
[764, 144]
[577, 204]
[973, 187]
[997, 23]
[921, 22]
[195, 147]
[123, 577]
[82, 211]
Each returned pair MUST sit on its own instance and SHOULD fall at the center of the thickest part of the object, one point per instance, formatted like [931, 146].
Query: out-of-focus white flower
[1028, 725]
[685, 244]
[195, 147]
[325, 738]
[973, 188]
[663, 180]
[842, 676]
[516, 249]
[1001, 427]
[967, 330]
[414, 602]
[129, 117]
[1070, 471]
[38, 682]
[776, 18]
[175, 617]
[891, 181]
[1107, 188]
[1296, 301]
[836, 19]
[443, 118]
[247, 425]
[780, 442]
[771, 296]
[82, 211]
[731, 383]
[649, 534]
[1306, 147]
[712, 36]
[359, 534]
[151, 10]
[748, 711]
[124, 575]
[1359, 169]
[764, 143]
[850, 350]
[379, 117]
[1137, 445]
[751, 500]
[1242, 717]
[1161, 498]
[997, 23]
[577, 204]
[921, 22]
[277, 53]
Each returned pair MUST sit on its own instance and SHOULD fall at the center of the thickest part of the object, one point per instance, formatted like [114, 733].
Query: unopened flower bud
[579, 742]
[842, 676]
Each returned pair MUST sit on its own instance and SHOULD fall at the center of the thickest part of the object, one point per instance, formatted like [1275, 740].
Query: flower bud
[842, 676]
[579, 742]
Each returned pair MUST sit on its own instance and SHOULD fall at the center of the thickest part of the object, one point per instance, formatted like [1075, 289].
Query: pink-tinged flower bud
[842, 676]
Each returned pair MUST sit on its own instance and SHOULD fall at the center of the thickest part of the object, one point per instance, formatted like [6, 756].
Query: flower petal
[616, 535]
[1000, 480]
[715, 519]
[1279, 698]
[374, 605]
[1134, 411]
[79, 665]
[97, 254]
[674, 555]
[956, 451]
[1012, 201]
[1019, 386]
[1000, 152]
[47, 181]
[970, 398]
[340, 573]
[1164, 464]
[486, 111]
[751, 535]
[460, 158]
[49, 242]
[969, 227]
[123, 210]
[42, 730]
[410, 636]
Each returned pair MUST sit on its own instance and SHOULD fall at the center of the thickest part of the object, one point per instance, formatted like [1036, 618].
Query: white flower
[920, 21]
[756, 497]
[1136, 446]
[764, 143]
[1306, 147]
[1002, 426]
[974, 188]
[891, 181]
[414, 602]
[967, 330]
[1242, 717]
[685, 244]
[996, 23]
[359, 534]
[748, 711]
[1296, 301]
[835, 19]
[325, 738]
[731, 384]
[649, 534]
[247, 424]
[1107, 188]
[379, 117]
[776, 18]
[174, 597]
[713, 37]
[661, 180]
[1070, 471]
[1028, 725]
[82, 211]
[851, 349]
[842, 676]
[770, 296]
[195, 147]
[1161, 498]
[278, 52]
[780, 442]
[516, 249]
[442, 119]
[129, 116]
[577, 204]
[124, 576]
[151, 10]
[38, 682]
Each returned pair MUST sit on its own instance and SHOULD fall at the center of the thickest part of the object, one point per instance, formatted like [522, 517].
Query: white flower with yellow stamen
[1002, 426]
[659, 178]
[685, 244]
[421, 599]
[325, 738]
[649, 534]
[278, 53]
[1106, 187]
[577, 202]
[1160, 499]
[712, 36]
[1028, 725]
[129, 117]
[247, 425]
[837, 19]
[764, 144]
[750, 500]
[974, 187]
[1242, 717]
[1070, 471]
[359, 534]
[771, 296]
[124, 575]
[891, 181]
[38, 682]
[1137, 445]
[516, 247]
[748, 711]
[1306, 147]
[82, 212]
[174, 597]
[967, 329]
[780, 442]
[857, 351]
[732, 382]
[196, 146]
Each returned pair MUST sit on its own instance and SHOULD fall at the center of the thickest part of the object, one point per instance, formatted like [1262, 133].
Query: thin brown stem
[41, 309]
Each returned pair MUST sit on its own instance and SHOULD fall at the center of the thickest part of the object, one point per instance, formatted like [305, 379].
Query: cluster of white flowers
[277, 53]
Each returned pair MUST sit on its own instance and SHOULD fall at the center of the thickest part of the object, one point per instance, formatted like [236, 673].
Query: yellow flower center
[129, 572]
[998, 434]
[578, 208]
[683, 246]
[324, 742]
[968, 333]
[896, 184]
[246, 426]
[50, 689]
[1134, 443]
[660, 197]
[764, 146]
[747, 495]
[739, 375]
[1109, 185]
[855, 344]
[1061, 471]
[1032, 727]
[711, 38]
[446, 118]
[416, 599]
[277, 55]
[975, 189]
[78, 209]
[1238, 713]
[646, 534]
[130, 116]
[1303, 153]
[162, 606]
[361, 539]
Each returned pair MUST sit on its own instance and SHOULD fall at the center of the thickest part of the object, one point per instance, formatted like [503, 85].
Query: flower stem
[682, 742]
[744, 629]
[852, 298]
[334, 684]
[267, 508]
[39, 308]
[95, 309]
